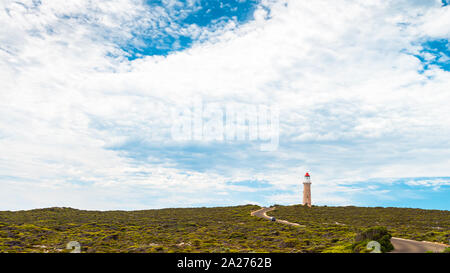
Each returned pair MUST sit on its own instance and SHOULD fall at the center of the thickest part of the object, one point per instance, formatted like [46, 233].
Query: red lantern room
[307, 178]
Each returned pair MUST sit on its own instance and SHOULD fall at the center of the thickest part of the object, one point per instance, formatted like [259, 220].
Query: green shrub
[378, 234]
[339, 249]
[290, 243]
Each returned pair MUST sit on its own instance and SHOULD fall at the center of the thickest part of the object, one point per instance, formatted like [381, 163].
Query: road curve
[411, 246]
[262, 214]
[400, 245]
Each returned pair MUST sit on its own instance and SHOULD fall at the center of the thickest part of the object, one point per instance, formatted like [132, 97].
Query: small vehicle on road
[272, 219]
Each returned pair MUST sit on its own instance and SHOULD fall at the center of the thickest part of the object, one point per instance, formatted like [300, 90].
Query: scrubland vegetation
[222, 229]
[227, 229]
[415, 224]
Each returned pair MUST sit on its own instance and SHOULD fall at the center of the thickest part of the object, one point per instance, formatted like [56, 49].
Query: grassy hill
[222, 229]
[415, 224]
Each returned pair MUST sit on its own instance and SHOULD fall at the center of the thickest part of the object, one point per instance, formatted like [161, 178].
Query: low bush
[377, 234]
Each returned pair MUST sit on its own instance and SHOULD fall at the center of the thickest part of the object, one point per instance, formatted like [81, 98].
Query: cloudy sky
[88, 91]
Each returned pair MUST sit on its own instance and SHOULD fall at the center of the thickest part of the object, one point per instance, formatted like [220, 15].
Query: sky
[357, 94]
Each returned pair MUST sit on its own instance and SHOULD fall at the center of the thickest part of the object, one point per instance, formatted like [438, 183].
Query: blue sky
[171, 32]
[88, 93]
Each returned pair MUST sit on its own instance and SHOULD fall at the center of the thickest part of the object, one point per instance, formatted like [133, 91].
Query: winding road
[400, 245]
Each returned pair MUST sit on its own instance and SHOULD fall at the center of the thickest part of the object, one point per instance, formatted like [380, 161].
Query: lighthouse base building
[307, 190]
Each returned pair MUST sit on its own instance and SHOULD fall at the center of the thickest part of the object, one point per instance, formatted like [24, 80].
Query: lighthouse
[307, 190]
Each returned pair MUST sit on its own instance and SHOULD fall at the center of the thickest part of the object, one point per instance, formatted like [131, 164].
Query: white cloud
[353, 103]
[429, 182]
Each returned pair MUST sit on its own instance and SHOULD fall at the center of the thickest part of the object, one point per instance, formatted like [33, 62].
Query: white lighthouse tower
[307, 190]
